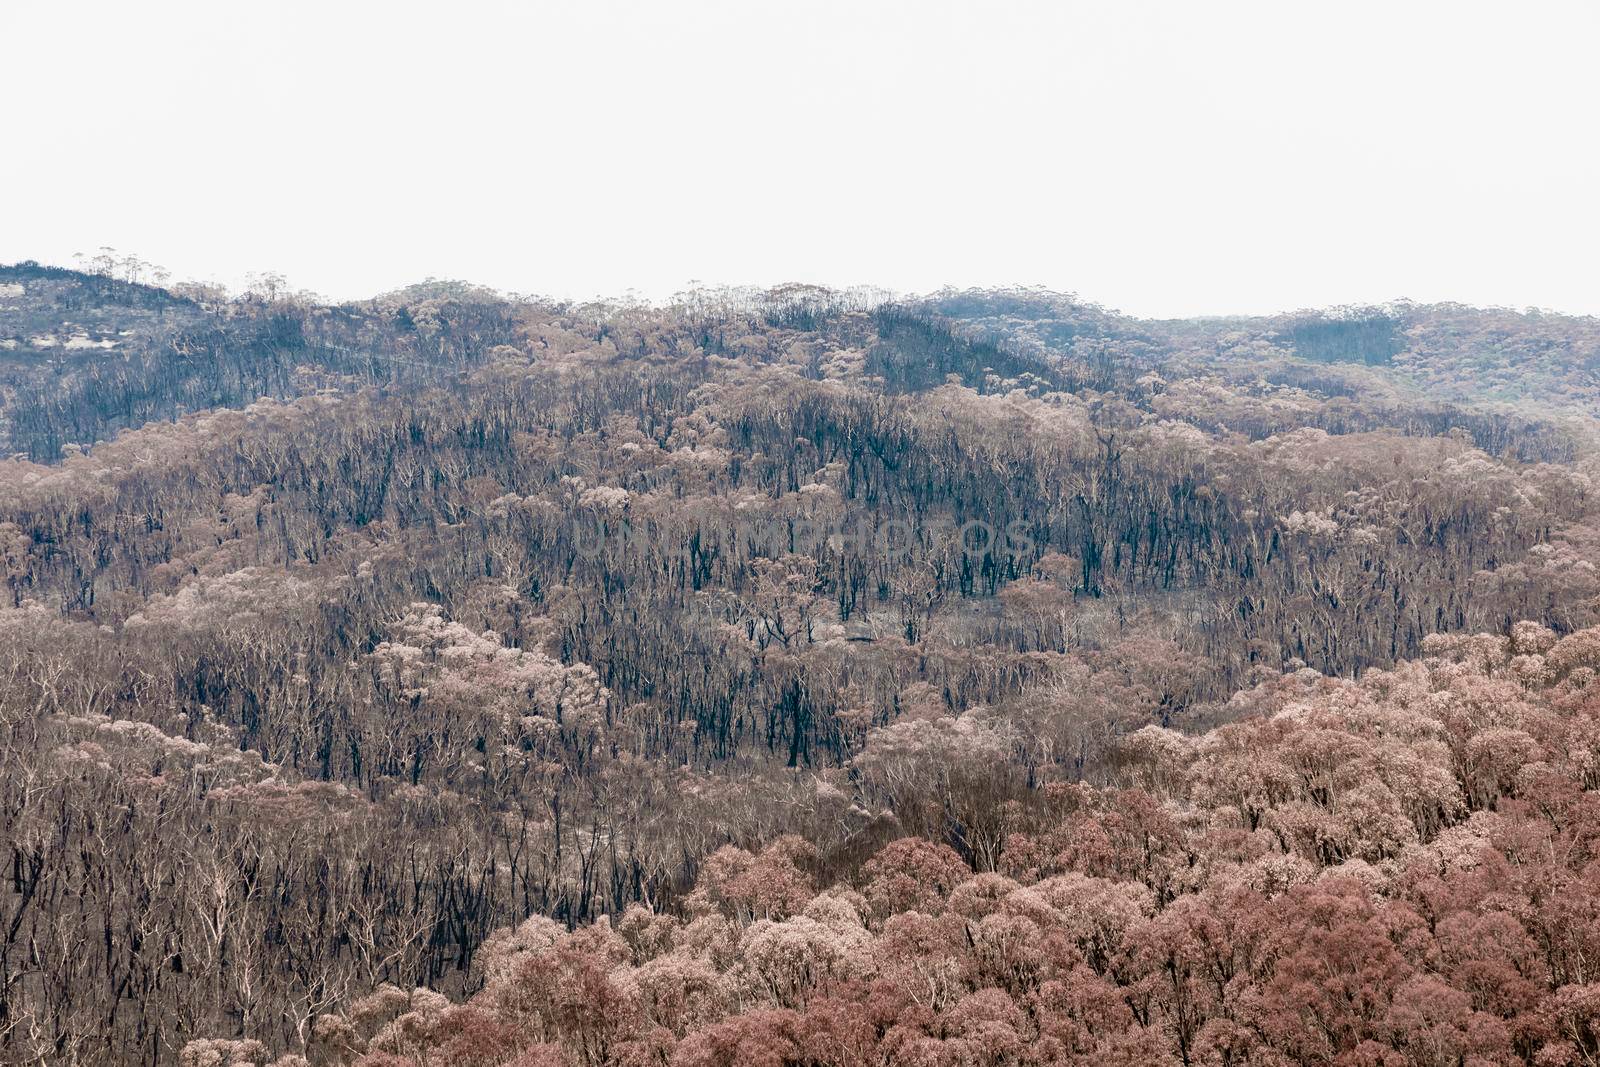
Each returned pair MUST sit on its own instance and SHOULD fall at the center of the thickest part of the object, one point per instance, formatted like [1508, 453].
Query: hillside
[793, 677]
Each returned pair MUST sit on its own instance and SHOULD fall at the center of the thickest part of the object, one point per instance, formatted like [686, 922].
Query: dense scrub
[1404, 870]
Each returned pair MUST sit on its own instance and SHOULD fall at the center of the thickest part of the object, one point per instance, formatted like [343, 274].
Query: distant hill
[83, 356]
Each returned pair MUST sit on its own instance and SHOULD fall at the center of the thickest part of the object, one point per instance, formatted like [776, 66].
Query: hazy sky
[1163, 158]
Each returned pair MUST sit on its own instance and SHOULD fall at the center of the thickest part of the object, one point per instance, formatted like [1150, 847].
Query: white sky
[1163, 158]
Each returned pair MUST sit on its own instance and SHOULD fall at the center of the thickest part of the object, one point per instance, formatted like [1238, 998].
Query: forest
[792, 678]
